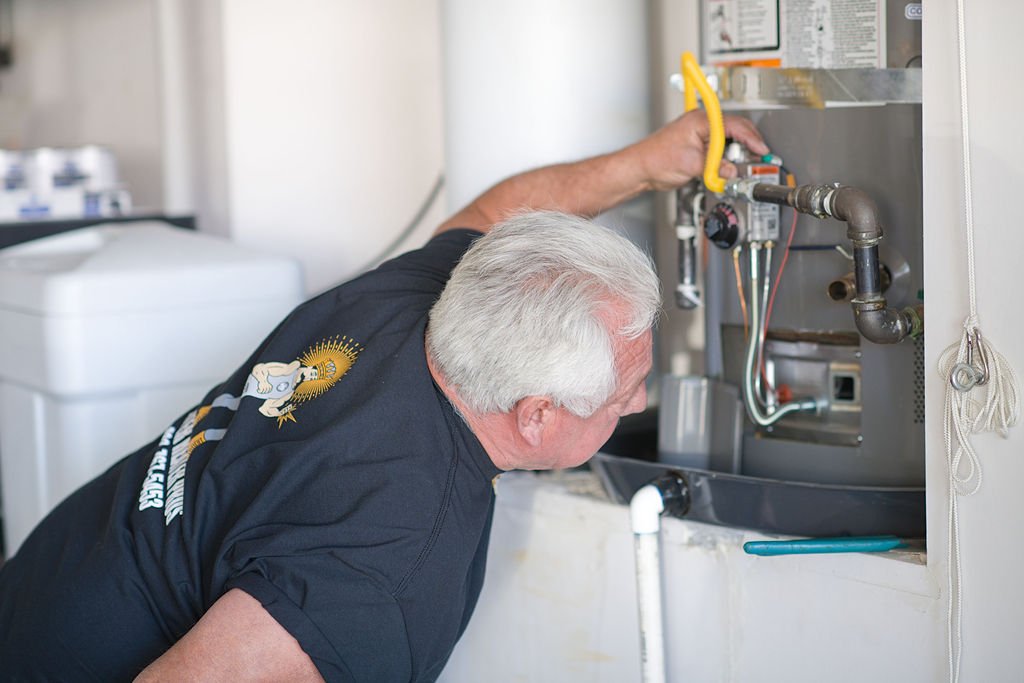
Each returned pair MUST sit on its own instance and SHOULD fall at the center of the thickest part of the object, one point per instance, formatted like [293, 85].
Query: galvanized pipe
[867, 273]
[873, 318]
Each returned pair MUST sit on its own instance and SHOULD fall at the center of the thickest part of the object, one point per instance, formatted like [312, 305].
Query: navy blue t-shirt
[329, 478]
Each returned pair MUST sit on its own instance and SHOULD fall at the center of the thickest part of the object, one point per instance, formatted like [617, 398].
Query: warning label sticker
[818, 34]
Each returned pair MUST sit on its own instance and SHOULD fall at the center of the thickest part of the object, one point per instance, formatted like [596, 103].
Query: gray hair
[527, 309]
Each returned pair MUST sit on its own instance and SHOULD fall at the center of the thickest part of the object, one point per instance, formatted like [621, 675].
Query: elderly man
[342, 535]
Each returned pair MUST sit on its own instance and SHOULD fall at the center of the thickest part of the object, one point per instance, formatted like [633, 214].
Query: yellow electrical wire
[689, 89]
[693, 82]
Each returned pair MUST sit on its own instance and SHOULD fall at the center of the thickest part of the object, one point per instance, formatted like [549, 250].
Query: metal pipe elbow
[858, 209]
[874, 320]
[883, 325]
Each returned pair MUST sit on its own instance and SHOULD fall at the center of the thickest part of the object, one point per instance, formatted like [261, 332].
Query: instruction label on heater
[834, 34]
[736, 27]
[817, 34]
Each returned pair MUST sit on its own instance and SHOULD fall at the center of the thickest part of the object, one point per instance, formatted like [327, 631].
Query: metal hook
[965, 376]
[982, 359]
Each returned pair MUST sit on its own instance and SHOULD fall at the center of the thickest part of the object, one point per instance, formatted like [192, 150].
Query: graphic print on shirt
[282, 388]
[285, 386]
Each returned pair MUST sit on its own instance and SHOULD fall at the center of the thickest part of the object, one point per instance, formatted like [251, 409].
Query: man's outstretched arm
[664, 160]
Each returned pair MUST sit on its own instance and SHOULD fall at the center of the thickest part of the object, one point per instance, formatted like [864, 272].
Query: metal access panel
[872, 431]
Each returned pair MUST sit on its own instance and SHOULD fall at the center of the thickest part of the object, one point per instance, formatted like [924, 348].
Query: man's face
[576, 439]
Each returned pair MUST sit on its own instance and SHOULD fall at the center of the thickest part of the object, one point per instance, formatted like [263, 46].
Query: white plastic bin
[700, 424]
[106, 335]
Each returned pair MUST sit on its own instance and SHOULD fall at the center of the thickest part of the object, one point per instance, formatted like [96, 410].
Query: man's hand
[676, 153]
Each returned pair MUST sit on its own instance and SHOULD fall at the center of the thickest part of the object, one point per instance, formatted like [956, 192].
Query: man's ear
[534, 414]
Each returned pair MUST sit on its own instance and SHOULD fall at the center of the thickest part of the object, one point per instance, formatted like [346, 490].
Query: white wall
[315, 129]
[333, 126]
[992, 591]
[311, 128]
[87, 72]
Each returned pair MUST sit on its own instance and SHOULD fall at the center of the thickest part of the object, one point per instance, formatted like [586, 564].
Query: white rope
[990, 407]
[982, 392]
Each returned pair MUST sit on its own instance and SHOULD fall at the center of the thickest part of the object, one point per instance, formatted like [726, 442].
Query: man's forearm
[584, 188]
[666, 159]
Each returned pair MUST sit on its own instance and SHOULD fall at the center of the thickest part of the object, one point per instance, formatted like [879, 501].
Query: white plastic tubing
[645, 510]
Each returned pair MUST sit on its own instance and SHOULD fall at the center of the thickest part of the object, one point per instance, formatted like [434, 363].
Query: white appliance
[106, 335]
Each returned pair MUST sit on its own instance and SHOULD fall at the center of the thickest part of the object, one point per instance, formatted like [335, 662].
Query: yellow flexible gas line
[695, 81]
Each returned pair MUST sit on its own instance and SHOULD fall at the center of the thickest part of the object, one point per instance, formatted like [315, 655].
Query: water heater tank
[533, 82]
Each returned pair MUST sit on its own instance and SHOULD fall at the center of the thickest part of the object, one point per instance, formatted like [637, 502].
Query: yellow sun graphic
[331, 358]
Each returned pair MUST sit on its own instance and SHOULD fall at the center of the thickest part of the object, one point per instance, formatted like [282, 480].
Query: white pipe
[645, 510]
